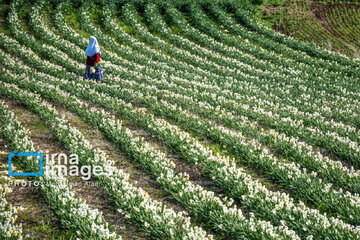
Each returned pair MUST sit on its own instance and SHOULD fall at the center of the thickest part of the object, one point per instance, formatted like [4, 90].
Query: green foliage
[257, 2]
[161, 3]
[273, 2]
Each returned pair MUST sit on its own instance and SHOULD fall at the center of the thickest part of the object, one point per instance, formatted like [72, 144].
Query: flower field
[212, 125]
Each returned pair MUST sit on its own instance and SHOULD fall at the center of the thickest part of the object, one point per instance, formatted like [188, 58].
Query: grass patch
[71, 19]
[4, 8]
[38, 125]
[45, 230]
[270, 13]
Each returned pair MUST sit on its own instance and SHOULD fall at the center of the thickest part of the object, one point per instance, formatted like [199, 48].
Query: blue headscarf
[93, 47]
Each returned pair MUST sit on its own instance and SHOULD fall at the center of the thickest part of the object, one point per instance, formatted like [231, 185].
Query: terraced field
[212, 125]
[334, 25]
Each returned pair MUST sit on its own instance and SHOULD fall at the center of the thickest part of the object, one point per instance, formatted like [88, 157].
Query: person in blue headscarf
[93, 68]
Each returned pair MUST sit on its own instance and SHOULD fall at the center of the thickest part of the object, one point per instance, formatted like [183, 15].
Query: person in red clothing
[93, 62]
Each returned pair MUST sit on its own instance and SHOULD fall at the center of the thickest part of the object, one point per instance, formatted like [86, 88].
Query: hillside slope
[334, 25]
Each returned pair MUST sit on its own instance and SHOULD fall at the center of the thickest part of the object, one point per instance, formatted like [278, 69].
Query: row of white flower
[255, 153]
[350, 69]
[297, 150]
[217, 110]
[183, 26]
[134, 201]
[306, 212]
[37, 24]
[286, 123]
[224, 217]
[123, 50]
[351, 105]
[324, 127]
[340, 141]
[10, 64]
[193, 33]
[45, 50]
[315, 104]
[73, 212]
[210, 61]
[236, 60]
[4, 169]
[50, 52]
[228, 177]
[115, 61]
[295, 69]
[320, 121]
[211, 28]
[327, 123]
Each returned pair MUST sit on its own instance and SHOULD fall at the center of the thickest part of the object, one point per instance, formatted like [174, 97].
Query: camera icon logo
[15, 153]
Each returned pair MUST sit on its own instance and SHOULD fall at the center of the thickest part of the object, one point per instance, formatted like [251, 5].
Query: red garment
[90, 61]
